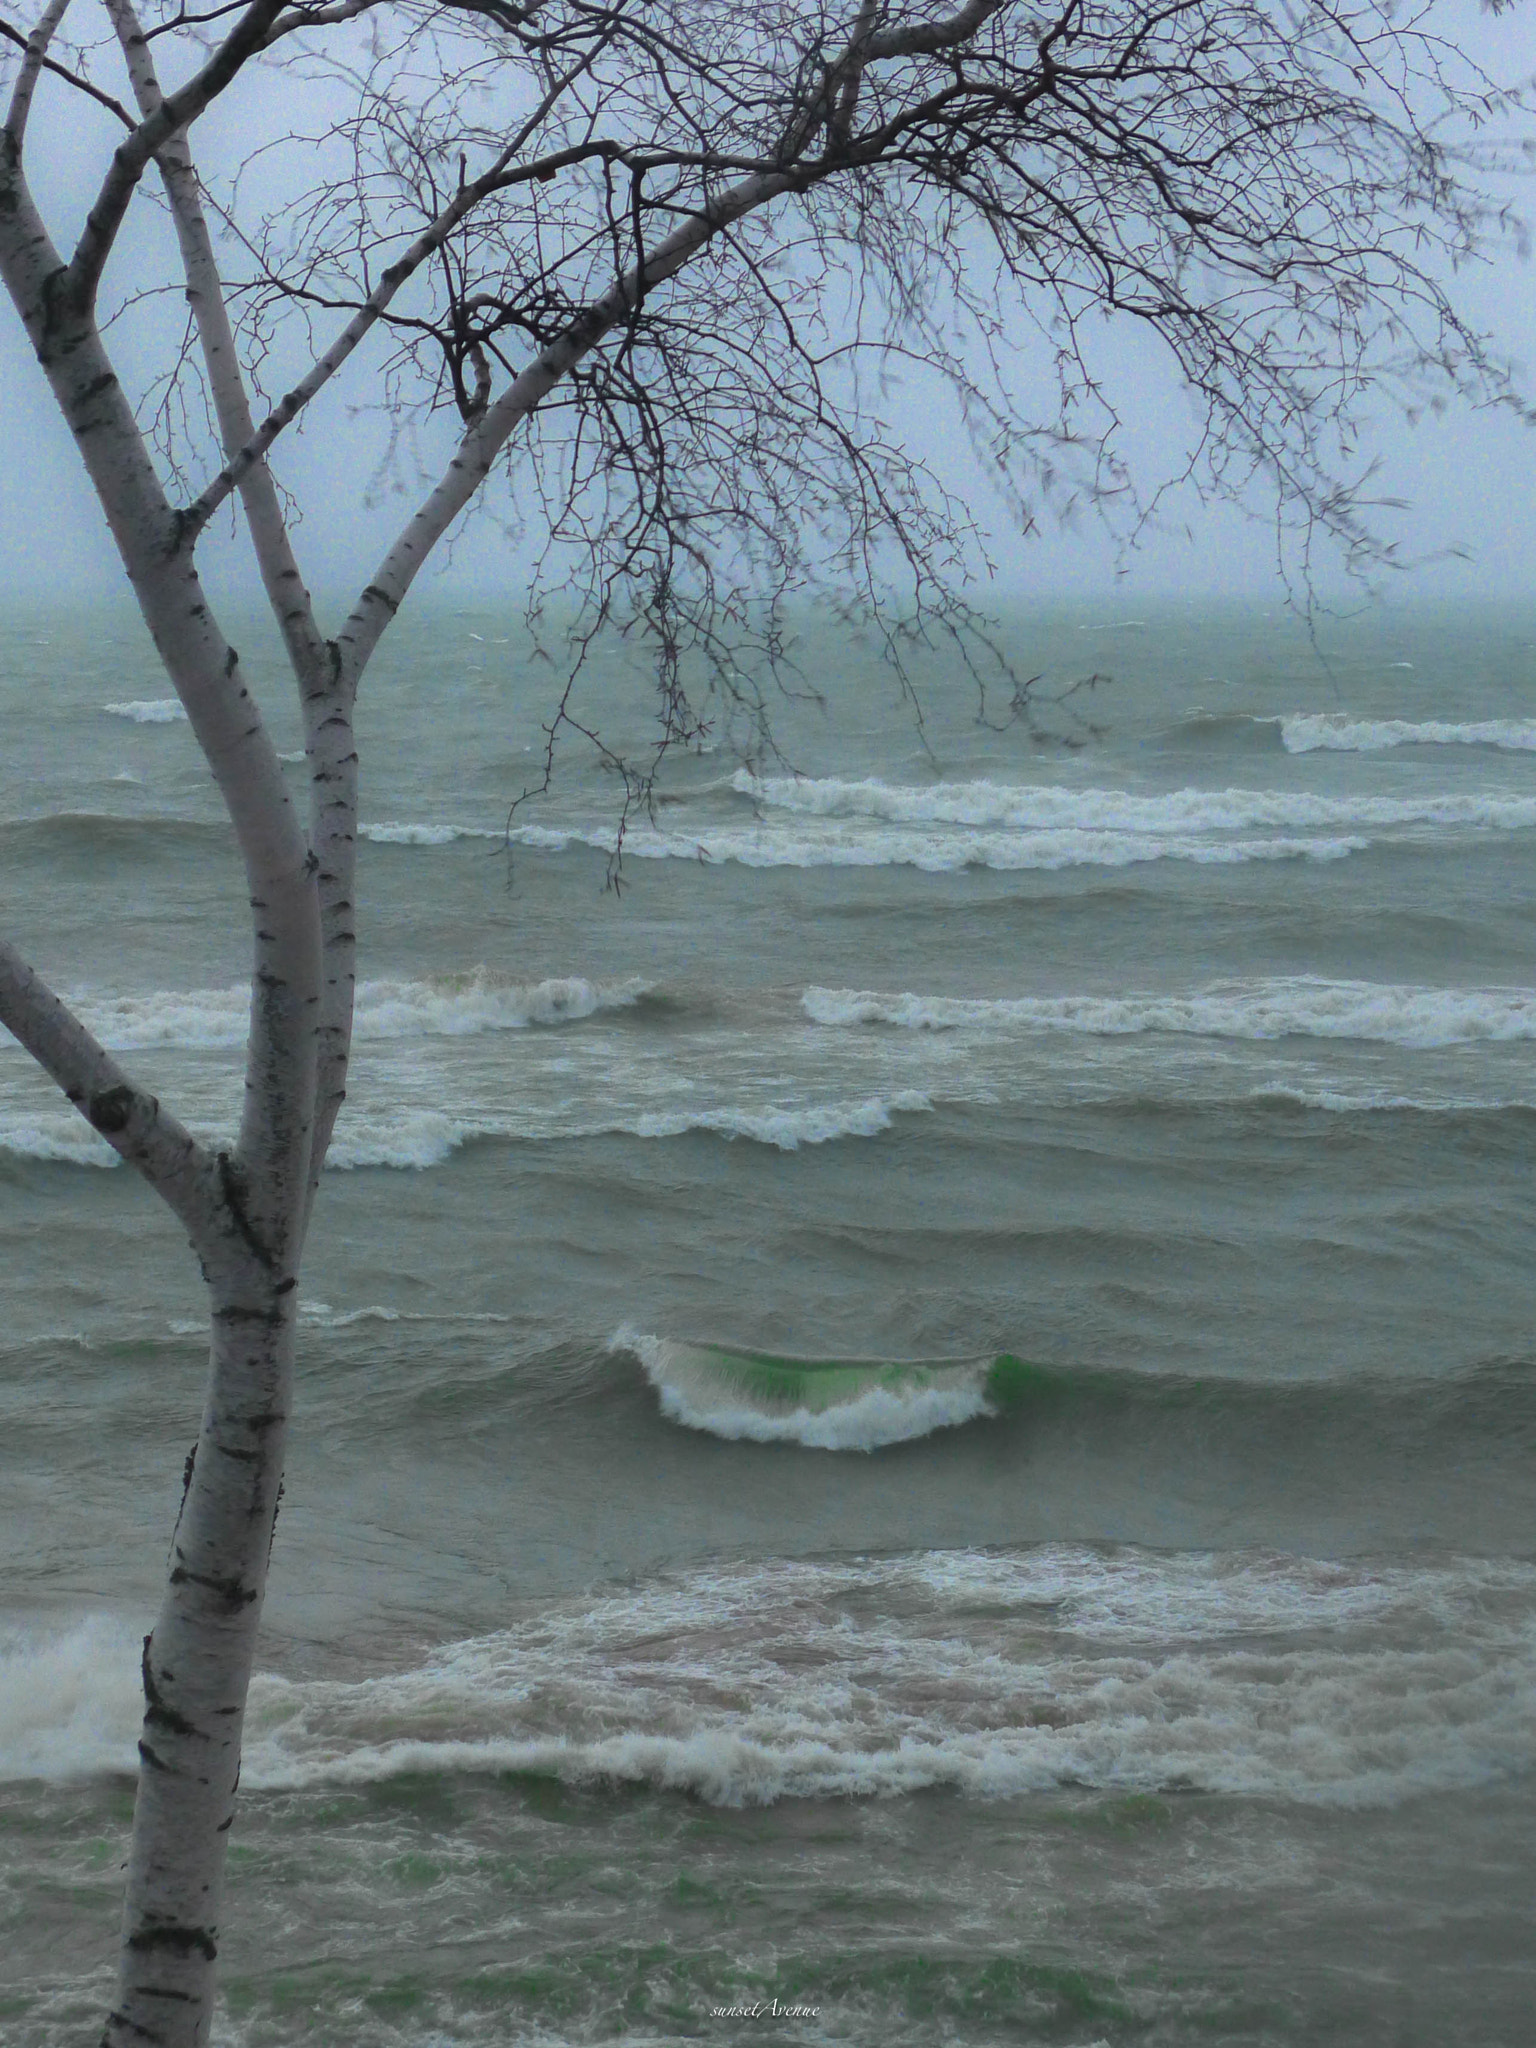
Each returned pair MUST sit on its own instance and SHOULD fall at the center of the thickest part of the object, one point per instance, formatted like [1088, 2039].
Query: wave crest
[150, 711]
[999, 1674]
[1419, 1018]
[445, 1005]
[1311, 732]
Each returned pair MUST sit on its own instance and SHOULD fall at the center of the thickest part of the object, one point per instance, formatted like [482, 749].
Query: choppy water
[1192, 1058]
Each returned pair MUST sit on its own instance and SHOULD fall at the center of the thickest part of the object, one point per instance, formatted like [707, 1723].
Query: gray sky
[1470, 479]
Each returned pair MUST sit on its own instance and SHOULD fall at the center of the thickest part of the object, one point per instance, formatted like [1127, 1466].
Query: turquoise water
[1190, 1057]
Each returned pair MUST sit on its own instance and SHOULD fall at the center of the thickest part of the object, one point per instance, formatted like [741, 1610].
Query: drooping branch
[489, 433]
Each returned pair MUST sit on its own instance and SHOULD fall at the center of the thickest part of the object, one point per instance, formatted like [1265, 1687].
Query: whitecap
[1278, 1678]
[787, 1128]
[447, 1005]
[150, 711]
[1308, 732]
[1303, 1006]
[390, 834]
[1052, 808]
[998, 1674]
[834, 842]
[698, 1388]
[64, 1139]
[70, 1699]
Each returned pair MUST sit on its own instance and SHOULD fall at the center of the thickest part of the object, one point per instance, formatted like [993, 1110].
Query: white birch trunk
[197, 1668]
[245, 1210]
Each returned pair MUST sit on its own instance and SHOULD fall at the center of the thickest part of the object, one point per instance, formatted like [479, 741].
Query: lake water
[1178, 1039]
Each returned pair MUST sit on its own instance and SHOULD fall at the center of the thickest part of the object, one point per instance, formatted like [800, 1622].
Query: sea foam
[450, 1005]
[1301, 1006]
[693, 1390]
[150, 711]
[787, 1128]
[997, 1674]
[394, 834]
[418, 1139]
[70, 1699]
[1050, 807]
[831, 842]
[943, 827]
[1310, 732]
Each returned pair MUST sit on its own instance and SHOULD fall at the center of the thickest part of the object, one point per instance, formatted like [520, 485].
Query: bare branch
[498, 178]
[926, 38]
[35, 62]
[133, 156]
[489, 434]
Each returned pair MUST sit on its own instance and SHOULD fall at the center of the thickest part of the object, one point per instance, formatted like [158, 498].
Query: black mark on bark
[109, 1109]
[182, 1941]
[157, 1713]
[234, 1197]
[231, 1591]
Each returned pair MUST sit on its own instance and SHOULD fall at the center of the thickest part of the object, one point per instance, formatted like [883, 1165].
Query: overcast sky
[1470, 479]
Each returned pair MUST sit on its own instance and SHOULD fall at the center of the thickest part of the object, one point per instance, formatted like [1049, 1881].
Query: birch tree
[646, 264]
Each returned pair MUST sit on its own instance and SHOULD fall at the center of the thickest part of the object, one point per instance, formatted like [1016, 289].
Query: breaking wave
[946, 826]
[883, 1405]
[834, 842]
[1304, 1006]
[150, 711]
[1310, 732]
[389, 834]
[425, 1138]
[998, 1674]
[448, 1005]
[1034, 808]
[417, 1139]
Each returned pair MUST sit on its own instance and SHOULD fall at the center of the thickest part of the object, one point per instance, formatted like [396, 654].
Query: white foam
[70, 1699]
[1052, 808]
[1308, 732]
[320, 1315]
[150, 711]
[999, 1674]
[412, 1139]
[450, 1005]
[1275, 1678]
[1303, 1006]
[785, 1128]
[842, 842]
[63, 1139]
[945, 826]
[418, 1139]
[941, 827]
[460, 1005]
[389, 834]
[880, 1416]
[1356, 1101]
